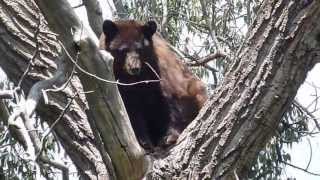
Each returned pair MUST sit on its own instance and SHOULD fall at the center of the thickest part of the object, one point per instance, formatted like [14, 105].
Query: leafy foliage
[195, 28]
[12, 163]
[15, 162]
[271, 161]
[201, 27]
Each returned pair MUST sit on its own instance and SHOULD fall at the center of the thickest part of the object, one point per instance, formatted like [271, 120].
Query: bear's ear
[149, 29]
[110, 29]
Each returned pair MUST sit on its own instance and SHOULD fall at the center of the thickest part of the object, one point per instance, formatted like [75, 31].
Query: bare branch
[210, 24]
[63, 168]
[153, 70]
[79, 5]
[94, 13]
[120, 10]
[108, 112]
[302, 169]
[102, 79]
[305, 110]
[23, 131]
[49, 130]
[6, 94]
[164, 16]
[207, 59]
[36, 51]
[35, 93]
[248, 8]
[17, 130]
[310, 158]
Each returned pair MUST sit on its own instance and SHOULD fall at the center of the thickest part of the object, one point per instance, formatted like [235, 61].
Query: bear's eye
[121, 49]
[125, 50]
[119, 52]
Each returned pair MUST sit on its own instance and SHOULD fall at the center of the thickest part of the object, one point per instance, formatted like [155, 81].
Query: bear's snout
[133, 63]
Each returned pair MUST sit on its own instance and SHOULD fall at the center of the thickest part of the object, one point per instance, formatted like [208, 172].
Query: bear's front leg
[176, 124]
[139, 125]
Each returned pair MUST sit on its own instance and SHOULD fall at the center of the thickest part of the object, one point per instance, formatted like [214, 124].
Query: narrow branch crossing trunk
[244, 112]
[18, 25]
[123, 156]
[237, 121]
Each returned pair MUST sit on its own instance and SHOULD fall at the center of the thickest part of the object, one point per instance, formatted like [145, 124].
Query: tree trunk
[18, 25]
[244, 112]
[236, 122]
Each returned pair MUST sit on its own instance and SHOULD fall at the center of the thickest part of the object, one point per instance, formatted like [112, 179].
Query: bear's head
[129, 42]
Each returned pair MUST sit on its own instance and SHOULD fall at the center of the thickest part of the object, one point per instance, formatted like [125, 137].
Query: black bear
[159, 110]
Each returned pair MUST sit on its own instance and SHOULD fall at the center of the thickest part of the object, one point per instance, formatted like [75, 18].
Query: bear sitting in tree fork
[159, 110]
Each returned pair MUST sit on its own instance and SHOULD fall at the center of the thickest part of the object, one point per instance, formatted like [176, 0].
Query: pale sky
[301, 152]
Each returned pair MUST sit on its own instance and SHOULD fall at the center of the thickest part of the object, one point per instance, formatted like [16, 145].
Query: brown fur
[175, 101]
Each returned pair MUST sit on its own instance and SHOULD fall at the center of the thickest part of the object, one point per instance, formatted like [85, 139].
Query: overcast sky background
[301, 152]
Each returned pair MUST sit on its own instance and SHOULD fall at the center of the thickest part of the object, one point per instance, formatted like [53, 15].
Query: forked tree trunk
[19, 21]
[244, 112]
[237, 121]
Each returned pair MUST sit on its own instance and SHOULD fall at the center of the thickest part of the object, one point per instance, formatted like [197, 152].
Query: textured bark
[106, 112]
[94, 13]
[244, 112]
[18, 24]
[237, 121]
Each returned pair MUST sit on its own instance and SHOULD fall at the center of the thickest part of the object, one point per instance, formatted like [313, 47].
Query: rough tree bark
[244, 112]
[237, 121]
[18, 24]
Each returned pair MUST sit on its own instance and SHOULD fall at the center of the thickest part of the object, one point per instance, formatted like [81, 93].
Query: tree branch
[18, 22]
[164, 20]
[259, 87]
[6, 94]
[302, 169]
[305, 110]
[206, 59]
[94, 13]
[120, 10]
[106, 107]
[22, 132]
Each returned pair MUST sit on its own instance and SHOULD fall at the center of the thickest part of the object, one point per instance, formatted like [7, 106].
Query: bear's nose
[135, 71]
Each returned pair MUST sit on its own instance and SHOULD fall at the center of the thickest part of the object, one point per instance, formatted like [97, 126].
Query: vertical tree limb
[105, 104]
[94, 13]
[17, 27]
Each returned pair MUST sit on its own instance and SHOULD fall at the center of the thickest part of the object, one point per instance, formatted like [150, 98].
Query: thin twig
[49, 130]
[6, 94]
[206, 59]
[5, 145]
[310, 158]
[236, 175]
[79, 5]
[102, 79]
[35, 53]
[64, 85]
[153, 70]
[164, 16]
[305, 110]
[297, 167]
[62, 167]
